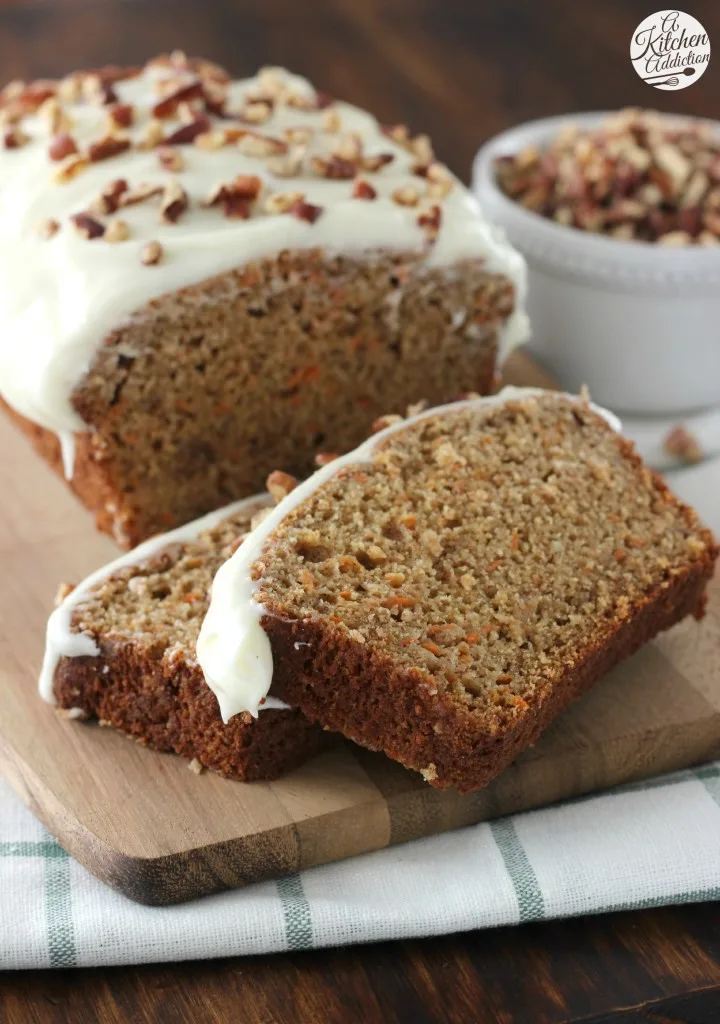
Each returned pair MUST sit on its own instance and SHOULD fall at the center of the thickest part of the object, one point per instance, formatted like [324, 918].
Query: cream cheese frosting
[61, 295]
[62, 642]
[233, 649]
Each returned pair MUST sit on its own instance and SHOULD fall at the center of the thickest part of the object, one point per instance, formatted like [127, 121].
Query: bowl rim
[549, 234]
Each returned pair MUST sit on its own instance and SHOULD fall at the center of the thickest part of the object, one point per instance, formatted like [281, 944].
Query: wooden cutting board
[149, 827]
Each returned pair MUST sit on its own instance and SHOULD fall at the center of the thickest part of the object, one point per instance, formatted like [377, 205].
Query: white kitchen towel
[641, 845]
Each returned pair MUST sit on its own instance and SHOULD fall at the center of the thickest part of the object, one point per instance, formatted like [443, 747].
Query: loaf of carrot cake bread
[443, 591]
[203, 279]
[121, 648]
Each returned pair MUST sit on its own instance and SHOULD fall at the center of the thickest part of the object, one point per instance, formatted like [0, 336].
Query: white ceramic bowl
[638, 323]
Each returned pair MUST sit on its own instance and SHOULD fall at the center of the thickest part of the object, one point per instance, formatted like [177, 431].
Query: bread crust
[170, 708]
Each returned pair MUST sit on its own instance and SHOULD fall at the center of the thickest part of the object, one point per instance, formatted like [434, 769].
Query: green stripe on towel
[296, 912]
[527, 891]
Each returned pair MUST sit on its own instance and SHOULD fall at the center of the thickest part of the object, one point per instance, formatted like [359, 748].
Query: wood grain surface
[160, 834]
[462, 70]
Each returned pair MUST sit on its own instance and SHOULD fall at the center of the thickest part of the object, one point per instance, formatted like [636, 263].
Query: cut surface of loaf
[139, 622]
[310, 270]
[442, 593]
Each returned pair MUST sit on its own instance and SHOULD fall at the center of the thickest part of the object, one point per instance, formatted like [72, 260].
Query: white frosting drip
[62, 642]
[60, 297]
[233, 649]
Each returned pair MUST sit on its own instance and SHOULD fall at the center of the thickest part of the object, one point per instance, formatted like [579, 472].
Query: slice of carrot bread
[445, 590]
[121, 648]
[203, 279]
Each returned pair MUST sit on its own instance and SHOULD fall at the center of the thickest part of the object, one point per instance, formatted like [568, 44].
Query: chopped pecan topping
[168, 106]
[397, 132]
[430, 221]
[324, 458]
[364, 190]
[152, 253]
[70, 168]
[171, 159]
[289, 165]
[298, 136]
[61, 146]
[52, 112]
[174, 202]
[349, 147]
[48, 228]
[377, 161]
[236, 197]
[189, 132]
[214, 139]
[440, 181]
[255, 144]
[116, 231]
[331, 121]
[152, 135]
[280, 484]
[140, 194]
[281, 202]
[305, 211]
[98, 89]
[333, 167]
[104, 149]
[421, 148]
[408, 195]
[14, 138]
[257, 112]
[110, 198]
[87, 226]
[121, 115]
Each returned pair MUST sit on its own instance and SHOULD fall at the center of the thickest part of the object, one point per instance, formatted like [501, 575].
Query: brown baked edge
[171, 708]
[90, 482]
[367, 698]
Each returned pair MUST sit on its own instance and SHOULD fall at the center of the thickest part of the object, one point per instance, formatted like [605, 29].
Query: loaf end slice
[142, 618]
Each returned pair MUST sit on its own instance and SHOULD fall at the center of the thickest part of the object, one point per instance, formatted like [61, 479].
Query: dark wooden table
[461, 70]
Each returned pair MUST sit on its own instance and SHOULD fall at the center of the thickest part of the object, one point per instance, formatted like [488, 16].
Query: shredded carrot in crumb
[182, 406]
[345, 595]
[440, 628]
[221, 407]
[360, 478]
[472, 638]
[515, 541]
[307, 373]
[407, 641]
[494, 565]
[519, 702]
[620, 555]
[399, 601]
[409, 520]
[334, 618]
[130, 438]
[504, 679]
[430, 646]
[190, 598]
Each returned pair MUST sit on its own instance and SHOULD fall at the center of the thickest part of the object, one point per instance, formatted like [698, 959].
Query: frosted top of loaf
[233, 649]
[117, 187]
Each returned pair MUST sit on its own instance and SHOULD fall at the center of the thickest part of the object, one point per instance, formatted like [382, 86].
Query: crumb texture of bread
[146, 682]
[444, 601]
